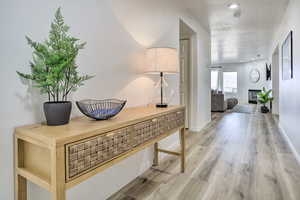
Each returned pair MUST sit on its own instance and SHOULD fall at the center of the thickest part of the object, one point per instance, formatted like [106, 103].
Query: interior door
[185, 77]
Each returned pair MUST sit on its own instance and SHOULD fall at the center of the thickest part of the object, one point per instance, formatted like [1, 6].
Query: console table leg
[21, 188]
[59, 195]
[20, 181]
[155, 160]
[58, 174]
[182, 144]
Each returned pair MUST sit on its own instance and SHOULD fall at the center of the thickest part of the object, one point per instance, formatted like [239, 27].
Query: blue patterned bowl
[101, 109]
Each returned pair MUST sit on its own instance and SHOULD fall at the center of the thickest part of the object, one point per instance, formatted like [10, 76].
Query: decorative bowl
[100, 109]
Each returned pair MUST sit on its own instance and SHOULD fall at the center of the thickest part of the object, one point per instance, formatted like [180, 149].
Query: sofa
[232, 102]
[218, 102]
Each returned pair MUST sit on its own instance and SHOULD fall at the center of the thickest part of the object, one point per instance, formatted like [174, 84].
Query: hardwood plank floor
[237, 156]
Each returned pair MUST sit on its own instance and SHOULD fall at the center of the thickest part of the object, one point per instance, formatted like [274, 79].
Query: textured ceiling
[239, 38]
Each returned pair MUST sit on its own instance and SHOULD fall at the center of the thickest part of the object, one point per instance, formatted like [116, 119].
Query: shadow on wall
[133, 17]
[143, 91]
[146, 90]
[32, 100]
[125, 72]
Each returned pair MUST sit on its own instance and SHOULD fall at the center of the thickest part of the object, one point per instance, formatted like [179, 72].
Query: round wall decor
[254, 75]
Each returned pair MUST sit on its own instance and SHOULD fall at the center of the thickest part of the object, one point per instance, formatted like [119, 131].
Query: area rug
[246, 108]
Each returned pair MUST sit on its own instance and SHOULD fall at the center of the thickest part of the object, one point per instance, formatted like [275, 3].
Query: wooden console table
[58, 158]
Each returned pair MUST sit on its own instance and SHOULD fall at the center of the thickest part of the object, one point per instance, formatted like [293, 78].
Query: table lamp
[162, 61]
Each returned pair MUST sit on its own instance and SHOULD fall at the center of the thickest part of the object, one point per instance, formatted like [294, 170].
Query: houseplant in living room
[54, 70]
[264, 98]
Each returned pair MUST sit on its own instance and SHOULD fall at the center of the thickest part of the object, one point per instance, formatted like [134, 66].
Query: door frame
[275, 77]
[186, 75]
[192, 76]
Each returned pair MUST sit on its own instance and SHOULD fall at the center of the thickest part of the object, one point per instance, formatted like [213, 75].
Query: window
[214, 80]
[230, 82]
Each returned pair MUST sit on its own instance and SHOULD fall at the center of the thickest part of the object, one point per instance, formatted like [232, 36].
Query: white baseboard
[287, 139]
[195, 129]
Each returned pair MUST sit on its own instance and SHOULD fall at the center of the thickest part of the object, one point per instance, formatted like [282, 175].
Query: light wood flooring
[237, 156]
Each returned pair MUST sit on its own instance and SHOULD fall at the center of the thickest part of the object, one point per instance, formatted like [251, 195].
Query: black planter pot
[57, 113]
[264, 109]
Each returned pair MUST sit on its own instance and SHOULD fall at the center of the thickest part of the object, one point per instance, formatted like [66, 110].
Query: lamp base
[161, 105]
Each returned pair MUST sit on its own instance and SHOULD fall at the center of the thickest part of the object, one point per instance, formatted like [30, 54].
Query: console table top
[83, 127]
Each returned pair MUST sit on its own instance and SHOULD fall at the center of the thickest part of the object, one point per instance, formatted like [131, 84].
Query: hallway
[237, 156]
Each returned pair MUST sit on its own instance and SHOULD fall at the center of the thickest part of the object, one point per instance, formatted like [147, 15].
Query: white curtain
[216, 80]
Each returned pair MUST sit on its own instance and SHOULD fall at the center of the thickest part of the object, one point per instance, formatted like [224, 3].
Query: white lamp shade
[162, 60]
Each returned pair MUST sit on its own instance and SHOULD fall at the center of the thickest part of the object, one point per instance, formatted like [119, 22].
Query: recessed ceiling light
[233, 6]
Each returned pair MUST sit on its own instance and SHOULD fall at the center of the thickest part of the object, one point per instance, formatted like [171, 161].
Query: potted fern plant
[264, 98]
[54, 70]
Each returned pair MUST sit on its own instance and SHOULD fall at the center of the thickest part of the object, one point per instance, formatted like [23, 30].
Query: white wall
[116, 32]
[289, 95]
[244, 83]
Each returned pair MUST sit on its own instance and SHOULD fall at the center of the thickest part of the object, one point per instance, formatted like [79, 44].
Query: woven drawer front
[91, 153]
[173, 120]
[150, 129]
[145, 131]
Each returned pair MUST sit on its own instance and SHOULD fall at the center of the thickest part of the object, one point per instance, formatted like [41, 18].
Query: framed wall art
[268, 72]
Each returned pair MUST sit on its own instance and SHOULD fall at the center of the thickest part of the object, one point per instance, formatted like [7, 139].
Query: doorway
[275, 81]
[186, 34]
